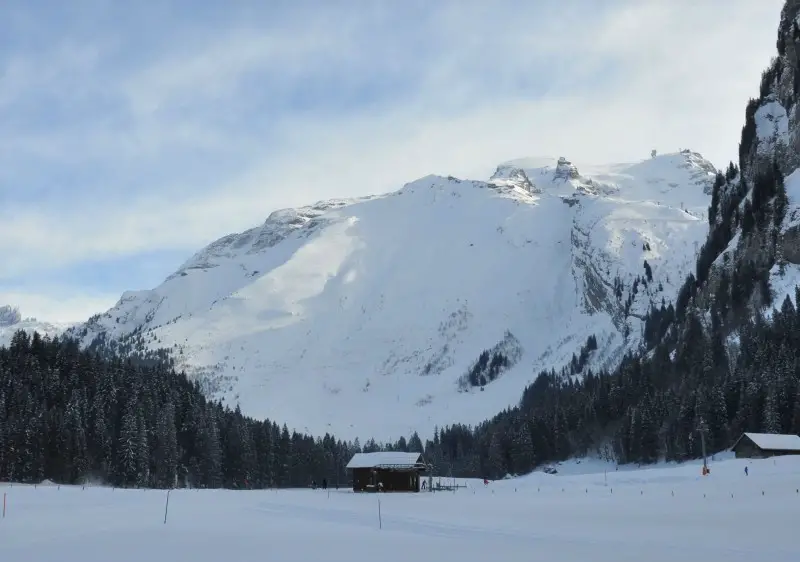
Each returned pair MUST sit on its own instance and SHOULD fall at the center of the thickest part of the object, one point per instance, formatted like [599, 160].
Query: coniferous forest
[73, 416]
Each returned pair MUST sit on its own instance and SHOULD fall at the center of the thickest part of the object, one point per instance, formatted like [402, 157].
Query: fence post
[380, 521]
[4, 505]
[166, 507]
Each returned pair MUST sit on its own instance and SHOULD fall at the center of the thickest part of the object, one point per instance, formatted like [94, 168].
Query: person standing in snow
[324, 483]
[745, 471]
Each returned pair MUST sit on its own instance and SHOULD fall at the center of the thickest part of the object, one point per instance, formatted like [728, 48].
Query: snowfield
[11, 321]
[364, 318]
[658, 515]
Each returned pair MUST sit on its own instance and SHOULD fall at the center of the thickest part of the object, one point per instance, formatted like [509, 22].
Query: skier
[324, 483]
[745, 471]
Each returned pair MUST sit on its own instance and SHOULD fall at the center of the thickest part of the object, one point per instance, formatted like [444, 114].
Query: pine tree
[211, 451]
[166, 449]
[771, 422]
[781, 199]
[796, 412]
[522, 449]
[128, 450]
[497, 461]
[415, 443]
[142, 451]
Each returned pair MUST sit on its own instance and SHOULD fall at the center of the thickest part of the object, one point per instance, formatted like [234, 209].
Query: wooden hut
[764, 445]
[389, 471]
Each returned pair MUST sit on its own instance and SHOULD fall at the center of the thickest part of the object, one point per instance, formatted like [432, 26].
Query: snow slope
[11, 321]
[364, 317]
[657, 515]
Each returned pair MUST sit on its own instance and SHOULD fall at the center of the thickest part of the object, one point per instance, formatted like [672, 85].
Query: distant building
[389, 471]
[764, 445]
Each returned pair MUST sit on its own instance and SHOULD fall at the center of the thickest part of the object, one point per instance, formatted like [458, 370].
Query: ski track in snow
[665, 513]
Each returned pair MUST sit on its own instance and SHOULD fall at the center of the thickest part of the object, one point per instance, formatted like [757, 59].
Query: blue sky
[134, 133]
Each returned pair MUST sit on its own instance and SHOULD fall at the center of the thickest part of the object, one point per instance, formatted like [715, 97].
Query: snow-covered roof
[393, 459]
[774, 441]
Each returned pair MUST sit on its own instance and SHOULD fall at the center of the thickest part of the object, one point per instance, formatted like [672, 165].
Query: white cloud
[58, 304]
[483, 86]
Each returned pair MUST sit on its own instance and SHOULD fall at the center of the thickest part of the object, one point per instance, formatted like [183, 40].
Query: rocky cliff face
[771, 137]
[782, 102]
[9, 316]
[752, 254]
[771, 131]
[513, 178]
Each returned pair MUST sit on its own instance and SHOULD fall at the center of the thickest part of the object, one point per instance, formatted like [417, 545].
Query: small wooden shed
[765, 445]
[395, 471]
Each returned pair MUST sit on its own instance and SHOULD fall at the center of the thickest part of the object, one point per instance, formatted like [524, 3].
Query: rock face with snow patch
[431, 305]
[11, 321]
[565, 170]
[9, 316]
[771, 125]
[512, 177]
[769, 147]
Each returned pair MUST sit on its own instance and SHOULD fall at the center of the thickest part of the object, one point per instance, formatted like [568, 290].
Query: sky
[132, 134]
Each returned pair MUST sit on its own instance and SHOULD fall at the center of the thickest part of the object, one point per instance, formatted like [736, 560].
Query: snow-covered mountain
[369, 317]
[11, 321]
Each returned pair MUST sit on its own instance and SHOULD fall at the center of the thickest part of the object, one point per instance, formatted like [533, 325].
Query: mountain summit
[430, 305]
[9, 316]
[11, 321]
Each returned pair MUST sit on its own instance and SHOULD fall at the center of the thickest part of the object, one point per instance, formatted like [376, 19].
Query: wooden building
[389, 471]
[765, 445]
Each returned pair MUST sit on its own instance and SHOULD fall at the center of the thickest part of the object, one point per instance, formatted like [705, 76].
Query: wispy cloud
[129, 129]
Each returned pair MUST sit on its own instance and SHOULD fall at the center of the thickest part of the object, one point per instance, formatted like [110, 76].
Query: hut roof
[387, 459]
[772, 441]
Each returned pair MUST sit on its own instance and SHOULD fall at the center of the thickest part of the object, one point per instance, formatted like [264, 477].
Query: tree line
[73, 415]
[70, 416]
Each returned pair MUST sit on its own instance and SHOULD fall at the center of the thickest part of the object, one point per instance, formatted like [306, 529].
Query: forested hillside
[70, 415]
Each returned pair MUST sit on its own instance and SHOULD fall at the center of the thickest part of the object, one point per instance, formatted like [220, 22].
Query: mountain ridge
[383, 304]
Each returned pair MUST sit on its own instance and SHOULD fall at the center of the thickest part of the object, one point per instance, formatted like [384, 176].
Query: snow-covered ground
[361, 317]
[655, 515]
